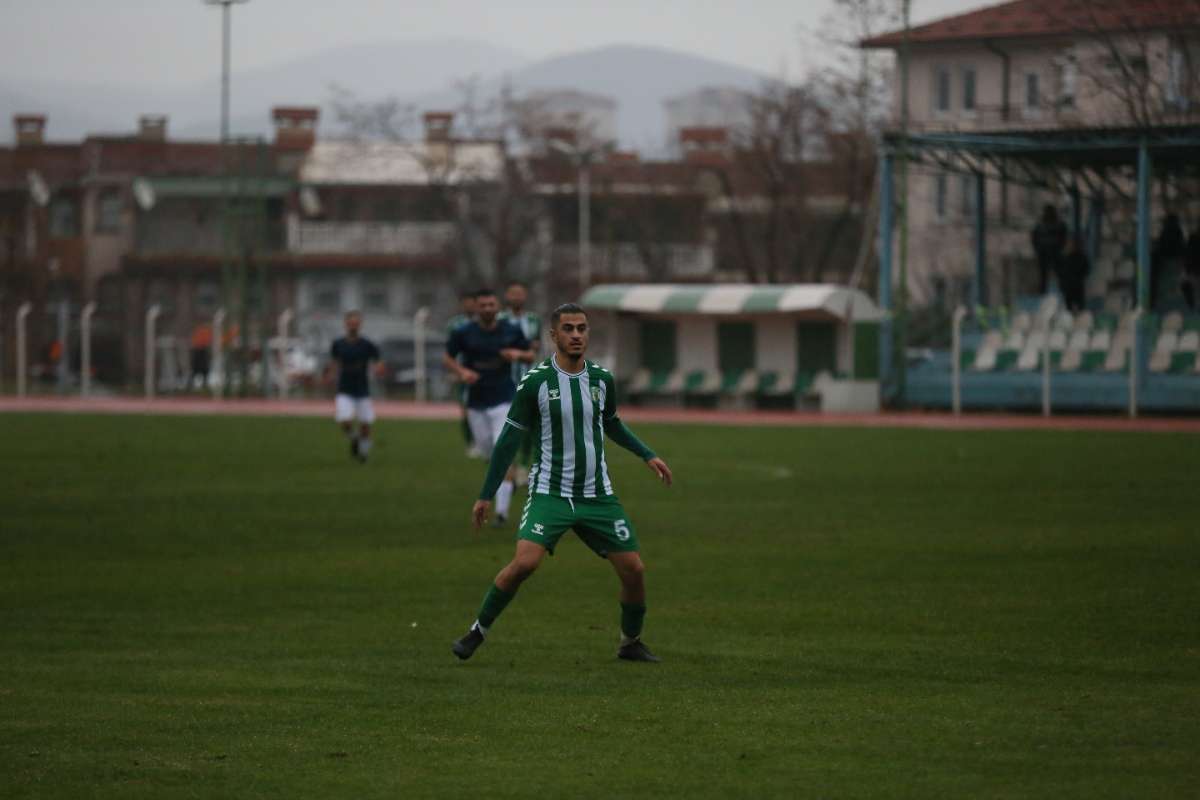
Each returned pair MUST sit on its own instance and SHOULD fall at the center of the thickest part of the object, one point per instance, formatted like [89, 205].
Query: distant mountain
[370, 70]
[639, 78]
[422, 72]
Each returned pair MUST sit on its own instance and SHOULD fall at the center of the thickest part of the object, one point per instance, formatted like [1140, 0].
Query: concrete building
[1033, 65]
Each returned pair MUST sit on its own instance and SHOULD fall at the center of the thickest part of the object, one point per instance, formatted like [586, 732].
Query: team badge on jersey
[596, 393]
[553, 394]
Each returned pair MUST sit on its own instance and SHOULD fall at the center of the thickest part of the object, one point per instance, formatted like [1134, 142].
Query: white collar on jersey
[554, 361]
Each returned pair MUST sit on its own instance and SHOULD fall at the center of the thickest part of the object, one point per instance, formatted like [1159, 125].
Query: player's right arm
[331, 367]
[520, 419]
[455, 346]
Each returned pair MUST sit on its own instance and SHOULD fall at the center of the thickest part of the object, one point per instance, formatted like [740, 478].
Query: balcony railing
[376, 238]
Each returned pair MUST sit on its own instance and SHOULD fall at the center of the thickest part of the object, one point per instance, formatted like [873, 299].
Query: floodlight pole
[151, 347]
[226, 37]
[420, 389]
[956, 361]
[85, 349]
[22, 313]
[218, 359]
[285, 320]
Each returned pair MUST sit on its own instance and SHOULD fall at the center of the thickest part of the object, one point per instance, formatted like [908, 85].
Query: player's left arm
[619, 432]
[519, 349]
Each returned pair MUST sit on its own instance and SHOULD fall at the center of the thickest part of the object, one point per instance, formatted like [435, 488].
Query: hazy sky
[166, 42]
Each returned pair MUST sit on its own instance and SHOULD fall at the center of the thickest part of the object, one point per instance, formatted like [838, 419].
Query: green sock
[632, 617]
[466, 432]
[493, 603]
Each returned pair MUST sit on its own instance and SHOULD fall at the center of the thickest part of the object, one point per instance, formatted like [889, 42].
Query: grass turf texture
[220, 607]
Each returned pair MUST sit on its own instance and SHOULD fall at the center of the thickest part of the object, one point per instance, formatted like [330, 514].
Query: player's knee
[522, 568]
[632, 571]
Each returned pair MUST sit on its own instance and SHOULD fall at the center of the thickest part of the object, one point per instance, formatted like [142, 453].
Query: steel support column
[887, 203]
[1143, 227]
[979, 289]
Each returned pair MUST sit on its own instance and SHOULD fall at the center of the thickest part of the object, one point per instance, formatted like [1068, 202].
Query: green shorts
[600, 522]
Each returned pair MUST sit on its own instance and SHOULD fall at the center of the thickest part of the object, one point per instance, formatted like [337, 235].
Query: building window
[1068, 78]
[941, 89]
[1033, 92]
[939, 195]
[327, 296]
[375, 295]
[1181, 76]
[64, 219]
[108, 211]
[968, 98]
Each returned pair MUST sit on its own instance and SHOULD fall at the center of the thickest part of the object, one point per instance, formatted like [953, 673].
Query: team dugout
[739, 345]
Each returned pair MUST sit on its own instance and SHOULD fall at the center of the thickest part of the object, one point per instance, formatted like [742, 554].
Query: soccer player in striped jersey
[570, 404]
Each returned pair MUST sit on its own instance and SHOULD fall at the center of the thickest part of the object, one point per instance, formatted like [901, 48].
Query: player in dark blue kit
[353, 355]
[488, 347]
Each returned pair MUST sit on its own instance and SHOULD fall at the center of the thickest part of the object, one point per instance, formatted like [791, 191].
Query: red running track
[389, 409]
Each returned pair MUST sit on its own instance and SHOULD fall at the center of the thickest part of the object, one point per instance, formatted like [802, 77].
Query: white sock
[364, 446]
[504, 498]
[626, 640]
[475, 626]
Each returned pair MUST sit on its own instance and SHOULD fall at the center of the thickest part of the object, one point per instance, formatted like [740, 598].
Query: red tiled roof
[1034, 18]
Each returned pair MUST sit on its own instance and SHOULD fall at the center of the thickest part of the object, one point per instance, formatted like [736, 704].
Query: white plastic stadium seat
[747, 383]
[1118, 353]
[1058, 340]
[640, 382]
[985, 356]
[1072, 360]
[1022, 322]
[1167, 340]
[1160, 360]
[1101, 340]
[1047, 307]
[1173, 321]
[1127, 319]
[1064, 320]
[1079, 340]
[1084, 321]
[1031, 355]
[1189, 342]
[1015, 340]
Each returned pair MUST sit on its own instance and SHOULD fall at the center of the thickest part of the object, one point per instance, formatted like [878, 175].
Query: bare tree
[495, 210]
[1132, 64]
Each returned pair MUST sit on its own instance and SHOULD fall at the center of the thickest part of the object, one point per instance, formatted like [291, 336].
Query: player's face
[486, 308]
[353, 323]
[514, 296]
[570, 334]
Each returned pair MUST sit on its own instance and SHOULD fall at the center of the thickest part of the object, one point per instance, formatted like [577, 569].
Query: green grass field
[226, 607]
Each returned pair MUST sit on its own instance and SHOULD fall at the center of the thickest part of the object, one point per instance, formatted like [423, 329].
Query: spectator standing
[1072, 274]
[1191, 269]
[1166, 254]
[1049, 237]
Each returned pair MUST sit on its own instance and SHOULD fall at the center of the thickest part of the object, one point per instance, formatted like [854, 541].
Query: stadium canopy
[813, 300]
[1098, 161]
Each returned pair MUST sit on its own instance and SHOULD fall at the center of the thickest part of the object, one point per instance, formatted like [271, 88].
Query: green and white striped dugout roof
[817, 299]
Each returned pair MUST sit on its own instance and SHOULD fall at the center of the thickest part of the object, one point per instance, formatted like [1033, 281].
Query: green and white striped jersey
[530, 325]
[568, 414]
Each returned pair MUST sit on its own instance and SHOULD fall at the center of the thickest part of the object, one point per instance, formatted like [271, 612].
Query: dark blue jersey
[354, 358]
[480, 351]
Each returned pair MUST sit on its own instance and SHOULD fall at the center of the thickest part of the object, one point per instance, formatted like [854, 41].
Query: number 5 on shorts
[622, 529]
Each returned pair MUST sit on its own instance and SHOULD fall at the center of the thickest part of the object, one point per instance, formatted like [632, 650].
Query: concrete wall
[696, 342]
